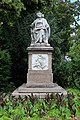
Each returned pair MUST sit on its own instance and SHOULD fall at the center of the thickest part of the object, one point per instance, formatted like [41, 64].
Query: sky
[73, 0]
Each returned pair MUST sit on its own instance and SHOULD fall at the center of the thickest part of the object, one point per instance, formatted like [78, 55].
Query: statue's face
[39, 14]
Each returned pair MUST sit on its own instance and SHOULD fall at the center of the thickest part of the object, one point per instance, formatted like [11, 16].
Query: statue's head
[39, 14]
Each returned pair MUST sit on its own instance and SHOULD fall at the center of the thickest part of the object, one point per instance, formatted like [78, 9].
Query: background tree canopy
[16, 17]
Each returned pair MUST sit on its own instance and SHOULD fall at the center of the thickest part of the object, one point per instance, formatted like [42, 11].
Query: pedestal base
[39, 89]
[39, 76]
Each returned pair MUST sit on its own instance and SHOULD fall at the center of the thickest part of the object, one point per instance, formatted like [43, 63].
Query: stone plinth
[39, 76]
[40, 64]
[41, 90]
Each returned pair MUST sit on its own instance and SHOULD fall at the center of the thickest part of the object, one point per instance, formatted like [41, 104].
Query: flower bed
[52, 107]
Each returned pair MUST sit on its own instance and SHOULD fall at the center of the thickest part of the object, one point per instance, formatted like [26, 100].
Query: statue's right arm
[33, 24]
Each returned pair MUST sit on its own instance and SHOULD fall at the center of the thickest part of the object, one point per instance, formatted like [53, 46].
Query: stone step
[40, 90]
[24, 90]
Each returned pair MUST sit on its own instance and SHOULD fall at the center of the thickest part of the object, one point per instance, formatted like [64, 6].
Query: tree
[75, 55]
[60, 16]
[16, 37]
[10, 11]
[5, 74]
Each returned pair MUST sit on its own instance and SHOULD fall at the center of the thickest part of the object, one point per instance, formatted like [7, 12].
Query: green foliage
[9, 11]
[75, 55]
[63, 73]
[5, 66]
[59, 16]
[16, 37]
[31, 107]
[16, 40]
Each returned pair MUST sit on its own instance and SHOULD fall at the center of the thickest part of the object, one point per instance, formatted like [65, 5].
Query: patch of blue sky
[73, 0]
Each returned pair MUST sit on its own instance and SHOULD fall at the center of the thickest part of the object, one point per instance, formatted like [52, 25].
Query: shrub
[5, 66]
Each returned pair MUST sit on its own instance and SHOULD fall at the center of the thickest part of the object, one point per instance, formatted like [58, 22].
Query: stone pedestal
[39, 76]
[40, 64]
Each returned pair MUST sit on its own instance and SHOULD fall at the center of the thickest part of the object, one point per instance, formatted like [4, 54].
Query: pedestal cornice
[40, 47]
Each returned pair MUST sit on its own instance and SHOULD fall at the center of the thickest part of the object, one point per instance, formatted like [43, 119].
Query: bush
[5, 66]
[75, 55]
[52, 107]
